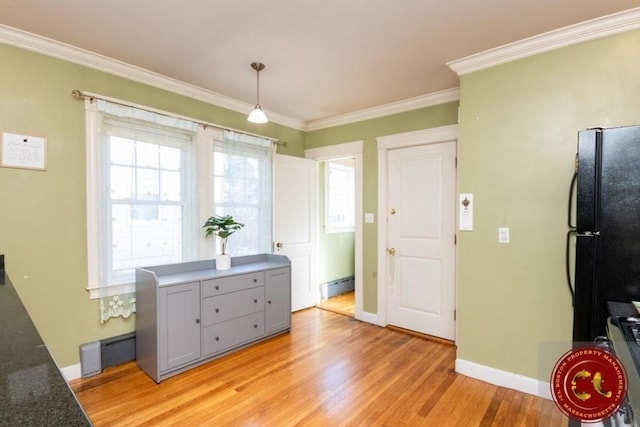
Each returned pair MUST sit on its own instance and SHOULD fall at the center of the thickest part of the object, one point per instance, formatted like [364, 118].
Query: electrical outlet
[504, 235]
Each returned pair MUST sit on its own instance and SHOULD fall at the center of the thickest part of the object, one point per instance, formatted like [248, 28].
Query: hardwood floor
[331, 370]
[342, 304]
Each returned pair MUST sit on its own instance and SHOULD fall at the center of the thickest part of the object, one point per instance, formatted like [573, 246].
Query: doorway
[336, 235]
[350, 303]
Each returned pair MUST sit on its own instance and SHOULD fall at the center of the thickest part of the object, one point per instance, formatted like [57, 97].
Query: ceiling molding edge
[435, 98]
[49, 47]
[596, 28]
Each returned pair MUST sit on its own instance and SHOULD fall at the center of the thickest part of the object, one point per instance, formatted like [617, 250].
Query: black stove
[623, 333]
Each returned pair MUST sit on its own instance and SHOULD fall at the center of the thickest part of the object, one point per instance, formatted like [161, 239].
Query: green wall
[367, 131]
[518, 139]
[43, 213]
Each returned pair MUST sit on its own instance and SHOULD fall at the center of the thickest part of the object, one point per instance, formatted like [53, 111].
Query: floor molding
[71, 372]
[421, 335]
[503, 378]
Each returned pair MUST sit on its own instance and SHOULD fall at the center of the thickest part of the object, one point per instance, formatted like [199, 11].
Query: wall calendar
[23, 151]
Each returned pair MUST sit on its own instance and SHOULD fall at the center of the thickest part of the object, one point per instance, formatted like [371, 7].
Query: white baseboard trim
[367, 317]
[72, 372]
[503, 378]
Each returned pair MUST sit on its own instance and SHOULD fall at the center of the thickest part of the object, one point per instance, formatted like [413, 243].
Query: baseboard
[503, 378]
[72, 372]
[367, 317]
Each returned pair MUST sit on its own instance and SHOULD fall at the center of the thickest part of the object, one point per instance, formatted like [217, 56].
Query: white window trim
[93, 287]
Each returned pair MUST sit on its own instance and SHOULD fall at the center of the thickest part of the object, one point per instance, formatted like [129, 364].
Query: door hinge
[455, 314]
[456, 162]
[455, 239]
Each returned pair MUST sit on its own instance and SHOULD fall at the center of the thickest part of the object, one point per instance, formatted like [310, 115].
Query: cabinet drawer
[232, 305]
[225, 285]
[225, 335]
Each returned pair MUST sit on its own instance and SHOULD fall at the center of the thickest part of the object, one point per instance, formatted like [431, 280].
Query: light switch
[368, 218]
[504, 235]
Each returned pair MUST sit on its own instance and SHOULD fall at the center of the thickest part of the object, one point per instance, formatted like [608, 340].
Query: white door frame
[386, 143]
[331, 152]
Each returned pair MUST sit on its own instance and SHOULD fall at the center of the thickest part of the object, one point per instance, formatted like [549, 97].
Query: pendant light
[257, 115]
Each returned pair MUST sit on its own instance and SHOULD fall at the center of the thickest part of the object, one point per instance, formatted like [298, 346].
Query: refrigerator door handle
[568, 265]
[572, 231]
[572, 188]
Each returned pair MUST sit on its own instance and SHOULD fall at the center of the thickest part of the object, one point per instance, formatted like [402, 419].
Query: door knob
[393, 211]
[279, 246]
[392, 251]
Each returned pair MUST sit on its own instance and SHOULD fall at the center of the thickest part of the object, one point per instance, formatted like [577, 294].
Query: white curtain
[145, 193]
[242, 187]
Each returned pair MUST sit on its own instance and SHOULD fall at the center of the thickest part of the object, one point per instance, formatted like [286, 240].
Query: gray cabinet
[278, 300]
[190, 313]
[178, 325]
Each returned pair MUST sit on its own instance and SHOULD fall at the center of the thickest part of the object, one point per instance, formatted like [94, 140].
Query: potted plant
[222, 226]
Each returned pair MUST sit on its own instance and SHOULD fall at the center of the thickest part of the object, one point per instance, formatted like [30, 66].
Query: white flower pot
[223, 262]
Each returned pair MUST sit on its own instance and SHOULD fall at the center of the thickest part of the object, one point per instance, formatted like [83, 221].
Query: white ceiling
[323, 58]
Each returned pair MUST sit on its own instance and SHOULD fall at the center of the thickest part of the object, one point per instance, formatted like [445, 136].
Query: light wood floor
[342, 304]
[331, 370]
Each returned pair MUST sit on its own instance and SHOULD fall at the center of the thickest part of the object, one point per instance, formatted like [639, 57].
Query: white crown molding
[436, 98]
[53, 48]
[66, 52]
[596, 28]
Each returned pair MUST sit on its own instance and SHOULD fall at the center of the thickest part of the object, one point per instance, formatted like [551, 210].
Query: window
[339, 196]
[242, 187]
[140, 189]
[152, 180]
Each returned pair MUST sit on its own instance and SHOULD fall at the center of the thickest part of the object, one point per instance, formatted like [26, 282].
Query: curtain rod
[77, 94]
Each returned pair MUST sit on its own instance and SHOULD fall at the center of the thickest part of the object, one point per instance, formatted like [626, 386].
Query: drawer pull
[217, 310]
[217, 288]
[217, 338]
[197, 320]
[269, 301]
[255, 280]
[255, 326]
[255, 301]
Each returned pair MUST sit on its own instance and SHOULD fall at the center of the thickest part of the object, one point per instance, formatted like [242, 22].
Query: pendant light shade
[257, 115]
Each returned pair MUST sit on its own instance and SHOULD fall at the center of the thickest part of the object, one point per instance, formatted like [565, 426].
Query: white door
[421, 232]
[294, 224]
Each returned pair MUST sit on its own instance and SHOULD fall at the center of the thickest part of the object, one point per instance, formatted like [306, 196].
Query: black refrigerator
[607, 226]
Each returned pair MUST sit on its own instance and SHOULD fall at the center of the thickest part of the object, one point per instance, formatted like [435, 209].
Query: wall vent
[118, 350]
[90, 363]
[337, 287]
[97, 355]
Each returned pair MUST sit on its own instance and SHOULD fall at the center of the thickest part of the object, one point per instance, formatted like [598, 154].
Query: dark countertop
[33, 392]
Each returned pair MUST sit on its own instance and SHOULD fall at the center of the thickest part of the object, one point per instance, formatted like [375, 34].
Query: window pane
[147, 184]
[146, 154]
[340, 197]
[169, 158]
[121, 151]
[121, 182]
[170, 184]
[121, 237]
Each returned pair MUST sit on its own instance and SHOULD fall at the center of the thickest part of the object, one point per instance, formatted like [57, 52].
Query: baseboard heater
[97, 355]
[337, 287]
